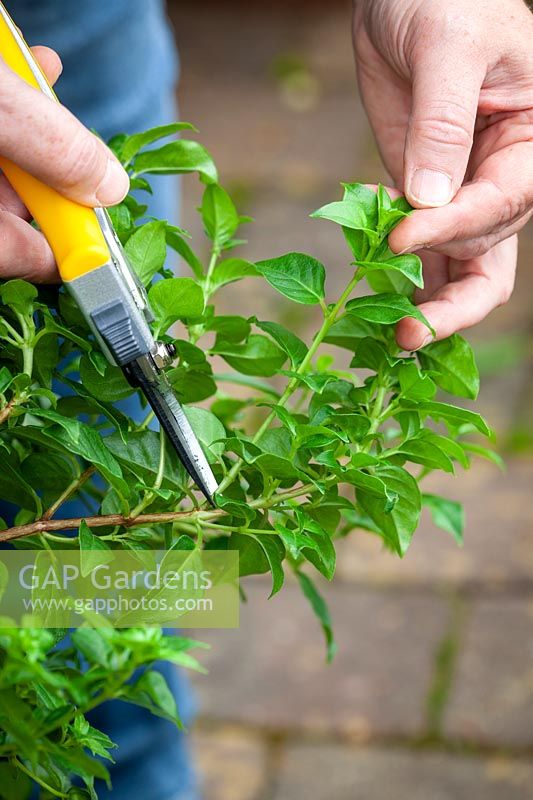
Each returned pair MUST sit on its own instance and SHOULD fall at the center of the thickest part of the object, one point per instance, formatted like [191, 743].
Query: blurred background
[431, 693]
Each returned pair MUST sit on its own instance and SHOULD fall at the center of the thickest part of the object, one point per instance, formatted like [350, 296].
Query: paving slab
[492, 695]
[343, 773]
[271, 673]
[232, 764]
[498, 549]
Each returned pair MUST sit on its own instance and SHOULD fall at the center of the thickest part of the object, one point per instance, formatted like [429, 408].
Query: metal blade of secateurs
[178, 429]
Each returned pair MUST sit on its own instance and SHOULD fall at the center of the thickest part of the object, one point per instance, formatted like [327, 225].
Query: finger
[10, 201]
[45, 139]
[486, 284]
[386, 98]
[447, 76]
[436, 275]
[52, 67]
[500, 195]
[25, 253]
[49, 62]
[466, 249]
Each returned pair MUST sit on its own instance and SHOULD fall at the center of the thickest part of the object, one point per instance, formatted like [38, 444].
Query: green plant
[327, 456]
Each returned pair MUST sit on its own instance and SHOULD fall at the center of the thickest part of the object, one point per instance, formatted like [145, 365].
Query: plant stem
[16, 338]
[68, 492]
[27, 359]
[210, 268]
[99, 521]
[195, 514]
[146, 421]
[149, 496]
[329, 320]
[38, 780]
[376, 415]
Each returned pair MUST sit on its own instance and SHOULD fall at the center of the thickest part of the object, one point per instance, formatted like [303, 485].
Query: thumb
[446, 84]
[46, 140]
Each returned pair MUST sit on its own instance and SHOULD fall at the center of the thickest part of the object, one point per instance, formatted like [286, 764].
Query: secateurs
[95, 270]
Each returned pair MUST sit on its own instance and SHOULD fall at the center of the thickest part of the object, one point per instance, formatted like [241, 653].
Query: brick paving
[431, 694]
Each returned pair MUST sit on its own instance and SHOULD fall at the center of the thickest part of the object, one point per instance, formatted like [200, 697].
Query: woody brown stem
[43, 525]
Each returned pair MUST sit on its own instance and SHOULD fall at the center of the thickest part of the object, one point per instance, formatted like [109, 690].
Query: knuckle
[510, 206]
[82, 160]
[504, 294]
[445, 124]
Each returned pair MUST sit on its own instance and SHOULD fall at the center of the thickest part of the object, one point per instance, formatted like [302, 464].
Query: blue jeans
[120, 71]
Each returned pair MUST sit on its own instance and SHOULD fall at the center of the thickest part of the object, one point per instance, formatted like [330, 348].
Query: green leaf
[13, 782]
[347, 213]
[355, 425]
[176, 241]
[348, 331]
[219, 215]
[357, 210]
[295, 275]
[177, 157]
[231, 270]
[274, 555]
[229, 328]
[258, 356]
[45, 358]
[85, 442]
[147, 250]
[321, 610]
[372, 485]
[6, 378]
[83, 402]
[121, 220]
[484, 452]
[446, 514]
[424, 450]
[408, 265]
[18, 295]
[237, 508]
[191, 385]
[137, 141]
[453, 416]
[48, 471]
[321, 552]
[139, 454]
[151, 691]
[397, 525]
[97, 742]
[94, 646]
[91, 550]
[414, 384]
[390, 213]
[208, 429]
[288, 341]
[15, 488]
[260, 553]
[173, 299]
[371, 354]
[453, 363]
[110, 387]
[385, 309]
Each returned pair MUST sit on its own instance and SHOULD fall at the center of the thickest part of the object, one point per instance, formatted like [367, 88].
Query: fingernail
[429, 187]
[413, 248]
[426, 340]
[114, 186]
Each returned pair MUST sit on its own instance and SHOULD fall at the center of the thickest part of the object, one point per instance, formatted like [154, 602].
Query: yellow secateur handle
[72, 230]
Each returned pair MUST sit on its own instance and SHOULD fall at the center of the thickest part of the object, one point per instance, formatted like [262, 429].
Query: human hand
[47, 141]
[448, 88]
